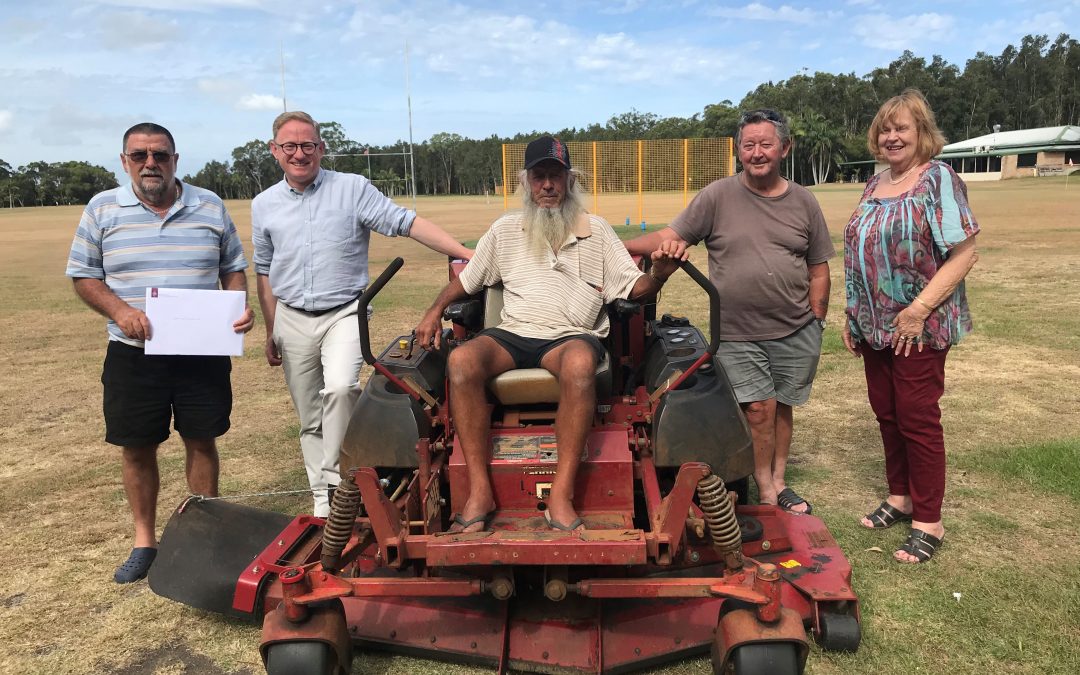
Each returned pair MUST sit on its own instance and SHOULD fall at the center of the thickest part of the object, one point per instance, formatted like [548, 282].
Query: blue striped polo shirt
[122, 242]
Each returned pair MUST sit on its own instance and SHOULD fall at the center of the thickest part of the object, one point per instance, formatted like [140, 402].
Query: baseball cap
[546, 147]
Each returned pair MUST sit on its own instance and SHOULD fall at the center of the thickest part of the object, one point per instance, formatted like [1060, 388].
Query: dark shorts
[143, 392]
[528, 352]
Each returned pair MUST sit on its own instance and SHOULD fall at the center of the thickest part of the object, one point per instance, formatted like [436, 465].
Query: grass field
[1002, 596]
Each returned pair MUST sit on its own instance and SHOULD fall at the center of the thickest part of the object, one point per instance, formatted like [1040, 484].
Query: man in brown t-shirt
[768, 257]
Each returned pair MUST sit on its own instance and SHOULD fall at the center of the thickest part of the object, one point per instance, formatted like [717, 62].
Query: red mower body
[650, 579]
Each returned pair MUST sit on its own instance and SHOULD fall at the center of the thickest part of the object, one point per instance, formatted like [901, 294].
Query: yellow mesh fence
[634, 182]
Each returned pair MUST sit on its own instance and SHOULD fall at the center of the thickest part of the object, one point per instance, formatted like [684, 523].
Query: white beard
[548, 228]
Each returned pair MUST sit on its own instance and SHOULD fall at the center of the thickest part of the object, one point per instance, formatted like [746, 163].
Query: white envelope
[194, 322]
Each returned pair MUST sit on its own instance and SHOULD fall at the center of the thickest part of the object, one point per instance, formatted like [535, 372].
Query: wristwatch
[820, 323]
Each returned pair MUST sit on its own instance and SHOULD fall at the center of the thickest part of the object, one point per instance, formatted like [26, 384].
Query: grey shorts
[783, 369]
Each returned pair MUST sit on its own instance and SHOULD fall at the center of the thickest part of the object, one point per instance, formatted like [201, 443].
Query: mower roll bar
[365, 299]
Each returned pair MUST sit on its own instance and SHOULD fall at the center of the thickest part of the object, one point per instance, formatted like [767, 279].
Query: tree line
[55, 184]
[1034, 85]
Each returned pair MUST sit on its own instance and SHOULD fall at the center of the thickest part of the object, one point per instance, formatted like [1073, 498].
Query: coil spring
[720, 519]
[339, 525]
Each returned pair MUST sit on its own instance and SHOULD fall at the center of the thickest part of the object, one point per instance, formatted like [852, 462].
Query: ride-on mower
[671, 563]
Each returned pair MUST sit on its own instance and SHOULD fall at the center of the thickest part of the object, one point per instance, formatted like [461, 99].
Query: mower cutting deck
[667, 566]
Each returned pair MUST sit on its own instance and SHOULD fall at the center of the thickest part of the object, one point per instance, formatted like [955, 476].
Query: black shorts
[142, 392]
[528, 352]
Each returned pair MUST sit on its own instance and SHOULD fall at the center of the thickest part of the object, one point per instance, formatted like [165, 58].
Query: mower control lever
[365, 300]
[714, 304]
[714, 323]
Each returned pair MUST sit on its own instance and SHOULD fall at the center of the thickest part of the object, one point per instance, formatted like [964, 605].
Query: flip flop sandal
[885, 516]
[556, 525]
[922, 545]
[787, 498]
[136, 566]
[462, 523]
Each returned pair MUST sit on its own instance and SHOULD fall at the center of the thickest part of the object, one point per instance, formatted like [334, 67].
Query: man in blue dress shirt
[311, 234]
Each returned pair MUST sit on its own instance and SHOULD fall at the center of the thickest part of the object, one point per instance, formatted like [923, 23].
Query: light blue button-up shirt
[314, 244]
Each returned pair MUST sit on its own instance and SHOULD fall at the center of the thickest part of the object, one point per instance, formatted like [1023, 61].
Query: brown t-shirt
[759, 248]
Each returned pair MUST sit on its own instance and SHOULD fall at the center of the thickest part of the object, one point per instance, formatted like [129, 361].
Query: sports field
[1002, 596]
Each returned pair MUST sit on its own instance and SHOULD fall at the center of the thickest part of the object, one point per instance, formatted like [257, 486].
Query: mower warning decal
[791, 563]
[523, 447]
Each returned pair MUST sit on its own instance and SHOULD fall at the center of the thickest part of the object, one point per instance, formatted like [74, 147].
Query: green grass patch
[1003, 311]
[1049, 466]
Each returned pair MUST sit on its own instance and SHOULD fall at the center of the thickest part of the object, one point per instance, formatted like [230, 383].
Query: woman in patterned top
[907, 249]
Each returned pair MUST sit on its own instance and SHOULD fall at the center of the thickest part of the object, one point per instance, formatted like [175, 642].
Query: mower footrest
[590, 547]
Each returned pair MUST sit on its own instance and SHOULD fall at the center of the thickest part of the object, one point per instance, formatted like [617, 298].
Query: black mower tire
[839, 633]
[301, 657]
[767, 658]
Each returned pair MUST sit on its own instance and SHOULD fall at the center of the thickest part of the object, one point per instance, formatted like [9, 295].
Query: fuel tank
[702, 420]
[387, 422]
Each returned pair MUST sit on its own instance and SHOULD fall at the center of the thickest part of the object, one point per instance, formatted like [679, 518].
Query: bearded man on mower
[559, 266]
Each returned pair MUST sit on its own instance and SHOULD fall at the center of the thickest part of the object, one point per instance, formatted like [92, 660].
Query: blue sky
[75, 75]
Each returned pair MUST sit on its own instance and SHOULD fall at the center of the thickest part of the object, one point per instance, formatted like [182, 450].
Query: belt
[320, 312]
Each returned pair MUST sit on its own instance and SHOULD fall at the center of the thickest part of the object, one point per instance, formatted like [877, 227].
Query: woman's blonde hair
[931, 140]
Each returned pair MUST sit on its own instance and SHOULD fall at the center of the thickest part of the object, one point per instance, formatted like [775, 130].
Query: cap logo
[557, 149]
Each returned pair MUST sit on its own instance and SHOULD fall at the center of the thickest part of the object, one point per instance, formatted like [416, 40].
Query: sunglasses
[760, 115]
[140, 156]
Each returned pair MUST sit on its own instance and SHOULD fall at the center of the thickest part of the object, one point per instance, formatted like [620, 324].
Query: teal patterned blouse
[893, 246]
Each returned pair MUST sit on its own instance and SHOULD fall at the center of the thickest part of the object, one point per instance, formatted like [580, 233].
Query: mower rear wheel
[767, 658]
[300, 657]
[839, 632]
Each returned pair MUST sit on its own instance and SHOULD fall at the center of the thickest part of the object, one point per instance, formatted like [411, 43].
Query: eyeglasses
[289, 148]
[760, 115]
[140, 156]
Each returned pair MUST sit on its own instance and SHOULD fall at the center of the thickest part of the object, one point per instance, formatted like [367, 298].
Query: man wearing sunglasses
[768, 257]
[311, 234]
[157, 232]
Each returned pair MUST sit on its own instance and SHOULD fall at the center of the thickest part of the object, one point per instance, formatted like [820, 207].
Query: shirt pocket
[584, 302]
[333, 226]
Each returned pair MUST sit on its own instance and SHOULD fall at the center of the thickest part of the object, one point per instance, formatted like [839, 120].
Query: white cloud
[259, 102]
[527, 49]
[69, 125]
[910, 32]
[189, 5]
[625, 7]
[756, 11]
[133, 30]
[995, 35]
[6, 119]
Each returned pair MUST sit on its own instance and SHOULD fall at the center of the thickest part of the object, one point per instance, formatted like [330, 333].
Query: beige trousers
[321, 357]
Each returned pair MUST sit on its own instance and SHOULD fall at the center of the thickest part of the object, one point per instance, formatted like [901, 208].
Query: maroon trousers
[904, 392]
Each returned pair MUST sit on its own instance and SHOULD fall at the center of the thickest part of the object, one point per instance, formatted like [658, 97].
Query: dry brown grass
[1017, 379]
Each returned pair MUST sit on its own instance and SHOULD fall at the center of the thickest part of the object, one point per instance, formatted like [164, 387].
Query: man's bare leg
[202, 466]
[783, 433]
[574, 364]
[761, 415]
[139, 469]
[470, 367]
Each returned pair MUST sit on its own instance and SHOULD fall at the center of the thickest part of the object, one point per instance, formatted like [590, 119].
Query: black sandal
[787, 499]
[922, 545]
[885, 516]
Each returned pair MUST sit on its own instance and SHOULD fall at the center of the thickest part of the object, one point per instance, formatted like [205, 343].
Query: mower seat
[523, 386]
